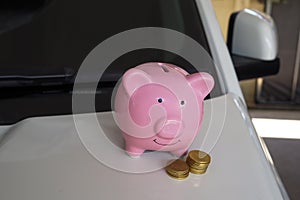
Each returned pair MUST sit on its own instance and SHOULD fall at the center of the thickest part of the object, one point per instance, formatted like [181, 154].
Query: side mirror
[253, 44]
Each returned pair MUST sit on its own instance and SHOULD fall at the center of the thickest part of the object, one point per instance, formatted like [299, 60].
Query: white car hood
[45, 158]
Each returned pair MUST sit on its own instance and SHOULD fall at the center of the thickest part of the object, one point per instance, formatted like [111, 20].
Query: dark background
[43, 43]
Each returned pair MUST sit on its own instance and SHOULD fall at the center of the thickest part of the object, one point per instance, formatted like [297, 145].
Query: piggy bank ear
[202, 83]
[133, 79]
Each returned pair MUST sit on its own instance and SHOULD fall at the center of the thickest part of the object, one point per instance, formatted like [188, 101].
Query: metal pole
[259, 84]
[268, 8]
[296, 71]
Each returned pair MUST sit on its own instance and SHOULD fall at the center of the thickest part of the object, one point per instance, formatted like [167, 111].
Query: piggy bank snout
[171, 129]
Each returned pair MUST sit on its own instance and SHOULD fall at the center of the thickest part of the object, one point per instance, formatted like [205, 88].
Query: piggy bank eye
[182, 103]
[159, 100]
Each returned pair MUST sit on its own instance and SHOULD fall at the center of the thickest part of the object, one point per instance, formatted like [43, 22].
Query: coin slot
[164, 68]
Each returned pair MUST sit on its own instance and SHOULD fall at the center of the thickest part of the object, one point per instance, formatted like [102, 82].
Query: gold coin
[198, 161]
[199, 156]
[178, 169]
[197, 171]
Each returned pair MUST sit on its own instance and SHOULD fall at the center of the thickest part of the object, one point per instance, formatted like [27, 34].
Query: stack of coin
[178, 169]
[198, 161]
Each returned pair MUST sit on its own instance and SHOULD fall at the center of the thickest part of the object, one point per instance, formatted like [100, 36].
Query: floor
[286, 157]
[283, 143]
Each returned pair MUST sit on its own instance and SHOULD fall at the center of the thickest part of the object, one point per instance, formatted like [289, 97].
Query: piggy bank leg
[180, 152]
[133, 151]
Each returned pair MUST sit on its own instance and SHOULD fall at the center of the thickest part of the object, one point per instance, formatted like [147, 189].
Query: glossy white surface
[219, 49]
[254, 35]
[3, 129]
[43, 158]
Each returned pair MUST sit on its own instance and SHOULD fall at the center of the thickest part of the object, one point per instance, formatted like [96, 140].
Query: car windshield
[44, 42]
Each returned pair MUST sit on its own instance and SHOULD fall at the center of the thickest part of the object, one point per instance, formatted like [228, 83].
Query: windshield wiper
[32, 80]
[35, 77]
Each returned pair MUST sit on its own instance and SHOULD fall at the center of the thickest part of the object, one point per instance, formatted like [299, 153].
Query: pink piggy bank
[159, 106]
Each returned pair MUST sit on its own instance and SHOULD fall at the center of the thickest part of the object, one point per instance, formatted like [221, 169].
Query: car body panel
[44, 158]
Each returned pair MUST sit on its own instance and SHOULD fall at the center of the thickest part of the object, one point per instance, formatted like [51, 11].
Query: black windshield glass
[65, 31]
[58, 34]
